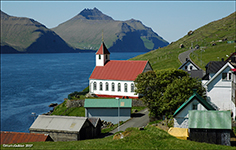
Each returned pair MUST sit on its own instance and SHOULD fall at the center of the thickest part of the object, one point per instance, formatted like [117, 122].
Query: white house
[195, 102]
[192, 69]
[115, 78]
[220, 89]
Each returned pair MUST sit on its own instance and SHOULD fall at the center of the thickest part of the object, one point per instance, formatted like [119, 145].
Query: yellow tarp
[180, 133]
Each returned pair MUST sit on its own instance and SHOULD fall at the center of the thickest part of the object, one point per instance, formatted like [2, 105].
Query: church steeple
[102, 55]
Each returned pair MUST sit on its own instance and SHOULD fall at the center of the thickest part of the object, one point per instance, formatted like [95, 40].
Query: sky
[169, 19]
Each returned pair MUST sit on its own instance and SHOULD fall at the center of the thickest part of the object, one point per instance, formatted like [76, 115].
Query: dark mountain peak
[4, 15]
[93, 14]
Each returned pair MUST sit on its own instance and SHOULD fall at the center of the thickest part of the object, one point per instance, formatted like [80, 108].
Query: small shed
[64, 128]
[210, 126]
[195, 102]
[110, 110]
[20, 137]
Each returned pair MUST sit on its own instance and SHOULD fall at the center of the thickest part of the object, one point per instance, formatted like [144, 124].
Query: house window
[194, 106]
[132, 87]
[126, 87]
[95, 86]
[106, 56]
[191, 67]
[113, 86]
[119, 87]
[186, 67]
[107, 86]
[100, 86]
[99, 56]
[224, 76]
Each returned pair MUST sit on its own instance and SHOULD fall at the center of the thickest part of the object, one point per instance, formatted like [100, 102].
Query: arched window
[95, 86]
[107, 86]
[113, 86]
[126, 90]
[100, 86]
[132, 87]
[119, 87]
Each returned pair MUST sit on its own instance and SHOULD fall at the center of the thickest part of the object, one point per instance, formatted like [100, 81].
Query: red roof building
[19, 137]
[115, 78]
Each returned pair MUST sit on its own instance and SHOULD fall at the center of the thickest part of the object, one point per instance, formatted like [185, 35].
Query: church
[115, 78]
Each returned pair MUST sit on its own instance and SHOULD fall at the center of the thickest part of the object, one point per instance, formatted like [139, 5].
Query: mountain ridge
[84, 32]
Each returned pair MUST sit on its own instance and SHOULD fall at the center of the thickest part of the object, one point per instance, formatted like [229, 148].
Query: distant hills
[82, 32]
[215, 40]
[24, 35]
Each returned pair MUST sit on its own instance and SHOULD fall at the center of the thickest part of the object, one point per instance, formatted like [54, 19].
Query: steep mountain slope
[84, 31]
[29, 36]
[215, 40]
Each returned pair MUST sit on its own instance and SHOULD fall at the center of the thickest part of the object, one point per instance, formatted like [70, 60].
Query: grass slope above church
[149, 138]
[204, 37]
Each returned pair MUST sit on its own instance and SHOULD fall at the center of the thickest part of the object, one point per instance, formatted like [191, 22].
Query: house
[192, 69]
[210, 126]
[115, 78]
[19, 137]
[220, 89]
[110, 110]
[64, 128]
[212, 68]
[195, 102]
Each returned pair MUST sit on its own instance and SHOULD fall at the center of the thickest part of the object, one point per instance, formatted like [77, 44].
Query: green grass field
[149, 138]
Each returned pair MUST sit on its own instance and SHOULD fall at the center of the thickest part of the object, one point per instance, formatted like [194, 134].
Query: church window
[95, 86]
[119, 87]
[126, 87]
[113, 86]
[132, 87]
[107, 86]
[100, 86]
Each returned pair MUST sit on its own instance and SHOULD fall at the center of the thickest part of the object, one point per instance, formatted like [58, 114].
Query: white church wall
[110, 92]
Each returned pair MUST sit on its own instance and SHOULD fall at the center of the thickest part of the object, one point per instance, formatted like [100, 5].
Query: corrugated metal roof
[19, 137]
[119, 70]
[199, 98]
[109, 103]
[103, 49]
[214, 66]
[59, 123]
[210, 119]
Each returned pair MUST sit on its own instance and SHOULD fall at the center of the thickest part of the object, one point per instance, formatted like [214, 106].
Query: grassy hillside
[150, 138]
[205, 36]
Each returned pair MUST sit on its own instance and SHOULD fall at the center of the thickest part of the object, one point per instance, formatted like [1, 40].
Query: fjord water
[30, 82]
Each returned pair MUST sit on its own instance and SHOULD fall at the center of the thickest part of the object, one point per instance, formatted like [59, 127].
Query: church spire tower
[102, 55]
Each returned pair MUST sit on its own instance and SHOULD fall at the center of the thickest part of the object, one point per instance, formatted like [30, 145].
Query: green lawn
[149, 138]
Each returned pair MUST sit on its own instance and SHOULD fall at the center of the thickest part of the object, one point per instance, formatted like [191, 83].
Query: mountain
[25, 35]
[84, 31]
[215, 40]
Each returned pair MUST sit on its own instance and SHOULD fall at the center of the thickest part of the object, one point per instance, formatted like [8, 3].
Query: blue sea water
[30, 82]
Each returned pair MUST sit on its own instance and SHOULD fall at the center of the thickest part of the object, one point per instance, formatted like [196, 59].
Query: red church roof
[119, 70]
[19, 137]
[103, 49]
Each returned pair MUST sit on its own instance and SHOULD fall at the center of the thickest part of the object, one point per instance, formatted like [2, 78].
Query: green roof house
[210, 126]
[110, 110]
[195, 102]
